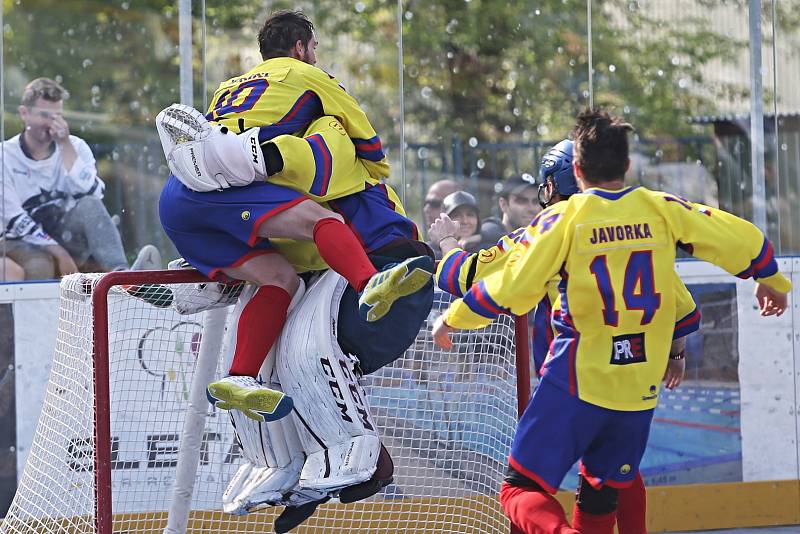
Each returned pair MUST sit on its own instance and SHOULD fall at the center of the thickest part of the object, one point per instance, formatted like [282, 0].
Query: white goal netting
[446, 417]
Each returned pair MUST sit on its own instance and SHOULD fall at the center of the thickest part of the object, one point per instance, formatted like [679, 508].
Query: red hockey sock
[533, 512]
[341, 250]
[632, 508]
[259, 325]
[587, 523]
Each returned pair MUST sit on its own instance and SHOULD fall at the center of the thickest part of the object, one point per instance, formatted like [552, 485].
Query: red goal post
[108, 441]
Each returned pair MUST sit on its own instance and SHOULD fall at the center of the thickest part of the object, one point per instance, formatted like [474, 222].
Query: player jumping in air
[458, 271]
[306, 164]
[613, 251]
[233, 201]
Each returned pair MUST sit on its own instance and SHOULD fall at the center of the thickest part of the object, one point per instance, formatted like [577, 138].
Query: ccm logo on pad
[254, 149]
[628, 349]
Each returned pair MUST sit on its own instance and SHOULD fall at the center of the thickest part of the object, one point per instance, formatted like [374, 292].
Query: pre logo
[627, 349]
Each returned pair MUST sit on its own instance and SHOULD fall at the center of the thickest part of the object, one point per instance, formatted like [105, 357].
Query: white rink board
[35, 310]
[769, 373]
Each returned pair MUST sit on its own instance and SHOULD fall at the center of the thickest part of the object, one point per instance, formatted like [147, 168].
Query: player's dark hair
[281, 31]
[601, 146]
[43, 88]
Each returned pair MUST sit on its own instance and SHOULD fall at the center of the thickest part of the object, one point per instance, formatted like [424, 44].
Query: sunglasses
[433, 203]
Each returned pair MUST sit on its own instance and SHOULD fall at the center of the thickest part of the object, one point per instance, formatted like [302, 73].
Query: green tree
[483, 71]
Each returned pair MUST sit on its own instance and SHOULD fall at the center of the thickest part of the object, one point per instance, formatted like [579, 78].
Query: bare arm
[443, 232]
[59, 130]
[676, 367]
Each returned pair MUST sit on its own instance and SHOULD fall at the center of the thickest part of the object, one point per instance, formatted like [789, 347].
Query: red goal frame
[103, 519]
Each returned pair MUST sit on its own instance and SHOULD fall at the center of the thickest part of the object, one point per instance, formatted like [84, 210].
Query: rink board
[670, 508]
[750, 435]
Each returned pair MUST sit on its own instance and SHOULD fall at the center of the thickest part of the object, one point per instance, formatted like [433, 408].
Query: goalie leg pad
[274, 460]
[383, 476]
[272, 450]
[341, 465]
[336, 428]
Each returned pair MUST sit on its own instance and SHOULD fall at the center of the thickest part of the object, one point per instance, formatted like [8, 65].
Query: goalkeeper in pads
[612, 250]
[458, 271]
[297, 188]
[246, 206]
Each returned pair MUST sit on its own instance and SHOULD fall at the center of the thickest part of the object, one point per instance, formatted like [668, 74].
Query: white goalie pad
[196, 298]
[273, 451]
[207, 157]
[335, 426]
[274, 461]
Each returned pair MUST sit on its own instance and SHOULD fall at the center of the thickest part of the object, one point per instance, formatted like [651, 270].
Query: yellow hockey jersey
[285, 96]
[459, 270]
[613, 253]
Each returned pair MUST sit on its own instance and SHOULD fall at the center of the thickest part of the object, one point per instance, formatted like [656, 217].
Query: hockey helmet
[556, 168]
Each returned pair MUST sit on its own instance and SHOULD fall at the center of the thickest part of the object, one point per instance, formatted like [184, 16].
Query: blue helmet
[557, 168]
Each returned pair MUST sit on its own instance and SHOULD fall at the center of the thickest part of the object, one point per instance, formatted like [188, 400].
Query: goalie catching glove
[207, 157]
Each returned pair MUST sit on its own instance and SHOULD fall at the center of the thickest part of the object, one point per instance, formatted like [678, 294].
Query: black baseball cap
[515, 184]
[458, 199]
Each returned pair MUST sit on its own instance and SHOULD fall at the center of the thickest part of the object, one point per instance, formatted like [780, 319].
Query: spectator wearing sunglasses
[434, 198]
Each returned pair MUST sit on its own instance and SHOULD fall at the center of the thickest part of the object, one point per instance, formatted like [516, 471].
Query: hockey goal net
[107, 445]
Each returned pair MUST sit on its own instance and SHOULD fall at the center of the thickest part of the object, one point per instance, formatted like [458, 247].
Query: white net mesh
[447, 419]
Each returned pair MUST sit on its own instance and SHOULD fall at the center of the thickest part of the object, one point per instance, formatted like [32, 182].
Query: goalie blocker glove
[206, 157]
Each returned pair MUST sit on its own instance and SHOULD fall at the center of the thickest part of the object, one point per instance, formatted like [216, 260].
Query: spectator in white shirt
[53, 197]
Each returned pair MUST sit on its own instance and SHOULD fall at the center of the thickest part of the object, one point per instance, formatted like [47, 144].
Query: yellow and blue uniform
[329, 147]
[459, 270]
[331, 154]
[613, 254]
[219, 229]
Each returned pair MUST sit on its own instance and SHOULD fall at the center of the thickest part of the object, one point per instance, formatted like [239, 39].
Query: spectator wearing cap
[462, 208]
[434, 197]
[519, 203]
